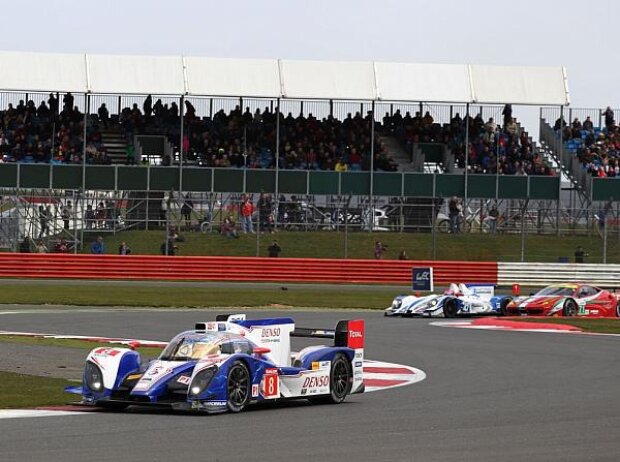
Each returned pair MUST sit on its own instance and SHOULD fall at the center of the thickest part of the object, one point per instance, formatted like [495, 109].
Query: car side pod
[350, 334]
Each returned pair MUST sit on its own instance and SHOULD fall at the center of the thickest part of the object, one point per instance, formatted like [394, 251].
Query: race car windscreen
[189, 346]
[556, 291]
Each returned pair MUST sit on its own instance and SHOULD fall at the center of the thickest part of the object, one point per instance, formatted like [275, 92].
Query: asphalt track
[488, 396]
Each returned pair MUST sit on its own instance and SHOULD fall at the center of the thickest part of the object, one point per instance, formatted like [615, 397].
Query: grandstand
[365, 135]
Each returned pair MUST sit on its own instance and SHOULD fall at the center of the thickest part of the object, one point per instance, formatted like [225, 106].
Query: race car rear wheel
[503, 307]
[340, 381]
[570, 308]
[238, 387]
[449, 308]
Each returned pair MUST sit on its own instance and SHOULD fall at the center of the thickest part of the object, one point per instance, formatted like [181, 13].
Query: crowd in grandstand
[491, 146]
[47, 133]
[241, 138]
[598, 148]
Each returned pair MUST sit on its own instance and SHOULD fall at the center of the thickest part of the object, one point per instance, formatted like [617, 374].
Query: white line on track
[21, 413]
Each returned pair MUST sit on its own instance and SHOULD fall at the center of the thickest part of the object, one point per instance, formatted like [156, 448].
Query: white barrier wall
[542, 274]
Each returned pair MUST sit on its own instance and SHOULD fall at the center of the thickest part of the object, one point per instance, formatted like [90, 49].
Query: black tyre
[570, 308]
[449, 308]
[503, 307]
[443, 226]
[618, 309]
[340, 381]
[238, 387]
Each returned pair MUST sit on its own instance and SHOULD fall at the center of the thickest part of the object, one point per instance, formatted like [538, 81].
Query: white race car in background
[459, 299]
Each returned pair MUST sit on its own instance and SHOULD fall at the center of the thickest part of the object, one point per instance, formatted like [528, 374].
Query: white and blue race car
[227, 365]
[459, 299]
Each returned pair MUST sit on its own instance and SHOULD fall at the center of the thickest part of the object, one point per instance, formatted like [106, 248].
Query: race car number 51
[270, 384]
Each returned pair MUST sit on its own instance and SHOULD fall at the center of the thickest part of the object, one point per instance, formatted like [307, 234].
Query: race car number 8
[271, 386]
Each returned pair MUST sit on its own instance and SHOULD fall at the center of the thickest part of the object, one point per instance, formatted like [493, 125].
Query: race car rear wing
[348, 333]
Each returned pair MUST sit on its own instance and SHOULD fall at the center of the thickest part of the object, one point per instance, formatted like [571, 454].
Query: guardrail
[311, 270]
[542, 274]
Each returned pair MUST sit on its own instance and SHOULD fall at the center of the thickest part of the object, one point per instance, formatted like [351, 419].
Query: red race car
[568, 300]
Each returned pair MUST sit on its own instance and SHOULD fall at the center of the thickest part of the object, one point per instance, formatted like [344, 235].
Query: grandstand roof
[271, 78]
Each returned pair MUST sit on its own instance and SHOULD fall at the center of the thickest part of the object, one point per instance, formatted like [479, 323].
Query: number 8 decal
[270, 384]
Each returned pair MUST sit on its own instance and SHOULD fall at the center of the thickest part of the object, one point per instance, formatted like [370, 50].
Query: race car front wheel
[340, 381]
[570, 308]
[238, 386]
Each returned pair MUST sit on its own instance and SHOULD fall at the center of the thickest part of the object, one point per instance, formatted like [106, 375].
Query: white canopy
[270, 78]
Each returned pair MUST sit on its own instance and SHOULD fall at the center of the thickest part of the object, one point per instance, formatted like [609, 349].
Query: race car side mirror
[261, 350]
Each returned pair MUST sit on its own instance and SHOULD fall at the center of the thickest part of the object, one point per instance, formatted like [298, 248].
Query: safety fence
[542, 274]
[311, 270]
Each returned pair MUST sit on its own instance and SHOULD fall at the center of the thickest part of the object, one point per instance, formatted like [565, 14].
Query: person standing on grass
[124, 249]
[580, 255]
[97, 247]
[274, 249]
[247, 209]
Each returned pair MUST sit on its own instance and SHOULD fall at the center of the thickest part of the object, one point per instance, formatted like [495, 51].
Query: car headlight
[93, 377]
[433, 302]
[201, 381]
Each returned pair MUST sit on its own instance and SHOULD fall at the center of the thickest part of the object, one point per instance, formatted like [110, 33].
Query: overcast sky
[578, 35]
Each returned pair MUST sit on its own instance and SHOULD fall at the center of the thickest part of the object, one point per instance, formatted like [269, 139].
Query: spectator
[130, 154]
[247, 209]
[44, 221]
[186, 211]
[41, 247]
[163, 211]
[124, 249]
[97, 247]
[168, 248]
[493, 216]
[228, 228]
[454, 213]
[265, 212]
[403, 255]
[66, 213]
[104, 115]
[609, 117]
[274, 249]
[379, 250]
[62, 246]
[507, 113]
[580, 254]
[90, 217]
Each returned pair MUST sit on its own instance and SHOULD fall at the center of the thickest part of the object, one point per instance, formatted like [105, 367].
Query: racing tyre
[570, 308]
[503, 307]
[340, 381]
[449, 308]
[443, 226]
[238, 387]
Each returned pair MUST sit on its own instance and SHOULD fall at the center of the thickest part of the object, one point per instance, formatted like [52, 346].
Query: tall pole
[277, 198]
[371, 208]
[557, 206]
[84, 134]
[181, 111]
[466, 153]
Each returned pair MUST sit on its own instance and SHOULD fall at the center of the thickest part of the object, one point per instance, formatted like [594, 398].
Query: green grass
[419, 246]
[194, 297]
[598, 325]
[24, 391]
[150, 352]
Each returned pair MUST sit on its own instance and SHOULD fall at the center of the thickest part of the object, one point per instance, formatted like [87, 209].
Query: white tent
[270, 78]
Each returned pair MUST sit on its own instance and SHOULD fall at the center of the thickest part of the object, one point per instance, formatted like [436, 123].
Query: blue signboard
[422, 279]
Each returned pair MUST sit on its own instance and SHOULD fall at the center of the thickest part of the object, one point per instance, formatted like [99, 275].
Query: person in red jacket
[247, 209]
